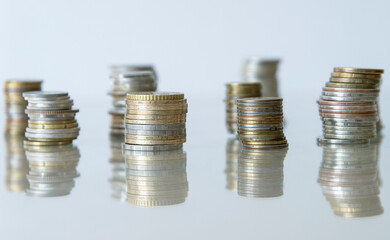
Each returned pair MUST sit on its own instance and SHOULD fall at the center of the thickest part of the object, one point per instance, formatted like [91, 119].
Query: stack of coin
[234, 91]
[16, 105]
[156, 175]
[260, 172]
[51, 118]
[117, 69]
[349, 179]
[233, 149]
[52, 170]
[155, 118]
[260, 123]
[117, 161]
[256, 68]
[348, 105]
[123, 83]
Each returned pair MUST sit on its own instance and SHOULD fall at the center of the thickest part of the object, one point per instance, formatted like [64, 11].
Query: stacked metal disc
[260, 123]
[123, 83]
[156, 176]
[155, 118]
[260, 172]
[349, 179]
[256, 68]
[233, 149]
[117, 161]
[51, 118]
[234, 91]
[348, 105]
[52, 170]
[16, 105]
[117, 69]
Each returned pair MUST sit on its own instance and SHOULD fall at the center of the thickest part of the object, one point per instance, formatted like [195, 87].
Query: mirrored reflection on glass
[350, 181]
[52, 170]
[17, 165]
[260, 172]
[233, 148]
[117, 161]
[156, 178]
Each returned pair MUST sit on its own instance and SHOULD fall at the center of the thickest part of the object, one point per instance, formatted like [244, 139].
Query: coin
[358, 70]
[155, 96]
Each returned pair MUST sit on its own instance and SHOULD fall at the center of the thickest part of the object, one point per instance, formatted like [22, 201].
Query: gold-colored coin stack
[117, 161]
[233, 149]
[15, 104]
[260, 123]
[155, 118]
[123, 83]
[234, 91]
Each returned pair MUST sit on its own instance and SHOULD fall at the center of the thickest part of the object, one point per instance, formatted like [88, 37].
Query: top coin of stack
[155, 118]
[260, 123]
[51, 118]
[136, 81]
[234, 91]
[348, 105]
[15, 104]
[256, 68]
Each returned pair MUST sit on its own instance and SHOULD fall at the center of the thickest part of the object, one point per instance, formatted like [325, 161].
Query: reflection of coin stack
[123, 83]
[156, 178]
[52, 170]
[17, 165]
[117, 161]
[260, 172]
[233, 148]
[349, 180]
[234, 91]
[15, 104]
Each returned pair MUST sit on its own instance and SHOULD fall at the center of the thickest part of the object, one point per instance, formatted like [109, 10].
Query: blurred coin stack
[51, 118]
[349, 179]
[118, 69]
[16, 105]
[233, 149]
[52, 170]
[260, 172]
[234, 91]
[128, 79]
[156, 175]
[260, 123]
[155, 118]
[117, 161]
[348, 105]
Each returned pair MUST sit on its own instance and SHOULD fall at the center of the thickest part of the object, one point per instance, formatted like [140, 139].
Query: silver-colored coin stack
[260, 172]
[156, 176]
[117, 69]
[349, 179]
[117, 161]
[51, 118]
[348, 106]
[52, 170]
[233, 149]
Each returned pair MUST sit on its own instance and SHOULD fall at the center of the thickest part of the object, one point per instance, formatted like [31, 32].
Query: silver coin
[156, 132]
[155, 127]
[52, 136]
[345, 99]
[342, 141]
[44, 94]
[151, 147]
[53, 131]
[350, 94]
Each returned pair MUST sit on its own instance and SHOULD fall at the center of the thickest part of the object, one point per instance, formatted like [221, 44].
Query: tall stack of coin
[233, 149]
[234, 91]
[15, 104]
[156, 175]
[155, 118]
[349, 179]
[260, 172]
[117, 161]
[52, 170]
[348, 105]
[51, 118]
[124, 82]
[260, 123]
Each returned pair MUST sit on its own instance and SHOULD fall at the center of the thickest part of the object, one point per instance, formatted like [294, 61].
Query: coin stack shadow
[349, 179]
[51, 119]
[233, 92]
[128, 79]
[348, 105]
[16, 105]
[52, 170]
[155, 161]
[117, 161]
[233, 149]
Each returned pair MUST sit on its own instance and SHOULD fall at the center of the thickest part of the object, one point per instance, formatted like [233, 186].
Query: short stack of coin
[348, 105]
[16, 105]
[123, 83]
[155, 118]
[117, 69]
[260, 172]
[51, 118]
[234, 91]
[156, 176]
[233, 149]
[260, 123]
[256, 68]
[117, 161]
[349, 179]
[52, 170]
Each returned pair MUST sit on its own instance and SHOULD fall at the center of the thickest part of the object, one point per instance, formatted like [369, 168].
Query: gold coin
[156, 112]
[53, 126]
[39, 143]
[153, 103]
[359, 70]
[155, 96]
[155, 117]
[52, 139]
[23, 84]
[354, 80]
[351, 85]
[157, 108]
[155, 122]
[356, 75]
